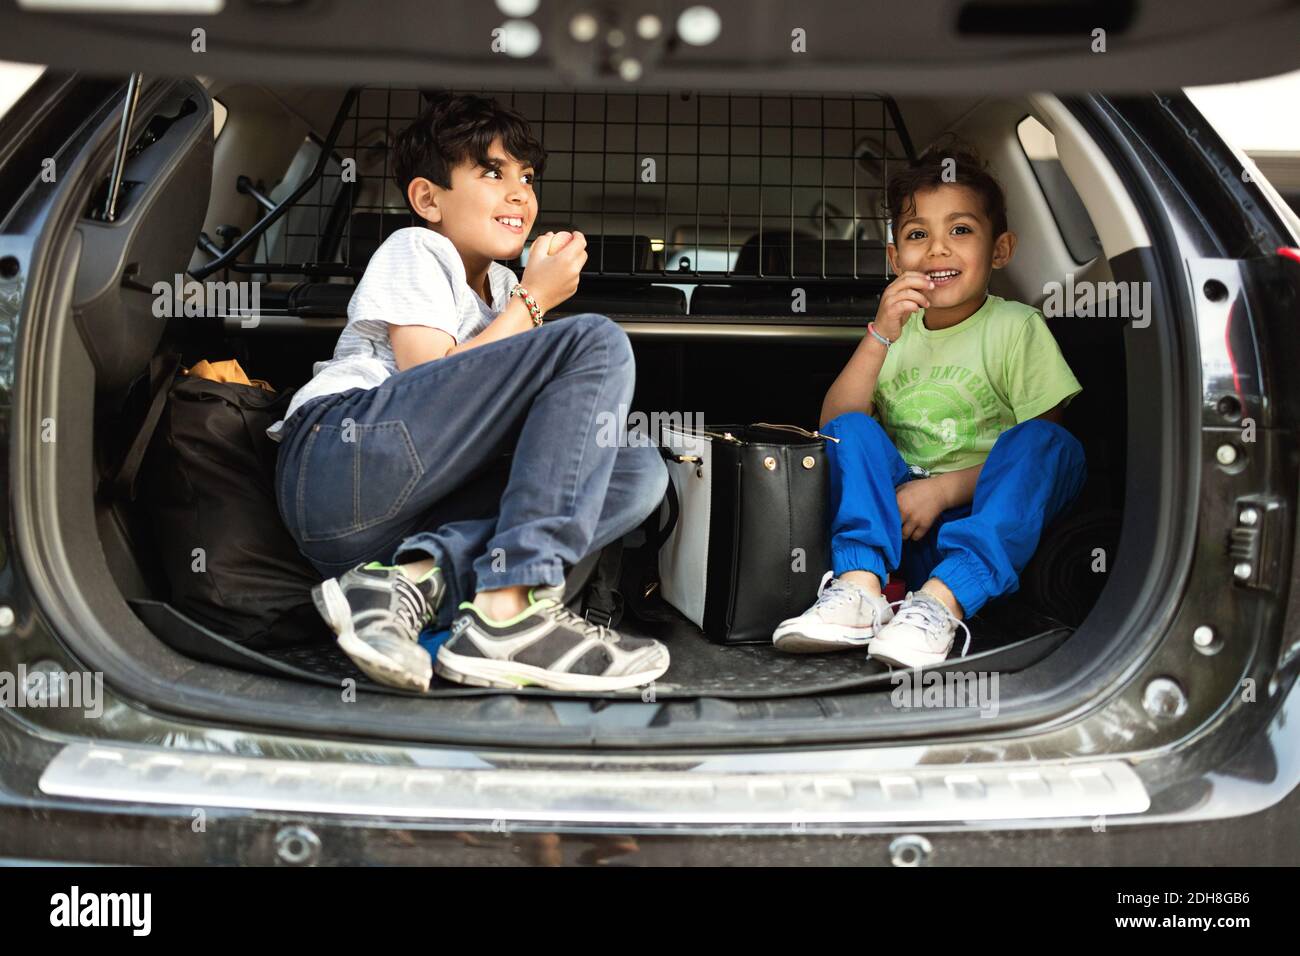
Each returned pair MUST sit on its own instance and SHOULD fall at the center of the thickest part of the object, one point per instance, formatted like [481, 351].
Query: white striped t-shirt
[416, 277]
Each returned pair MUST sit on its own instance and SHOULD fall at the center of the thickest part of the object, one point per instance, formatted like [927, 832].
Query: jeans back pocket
[352, 477]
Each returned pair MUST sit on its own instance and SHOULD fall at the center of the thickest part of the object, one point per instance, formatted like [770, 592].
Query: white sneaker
[920, 634]
[844, 616]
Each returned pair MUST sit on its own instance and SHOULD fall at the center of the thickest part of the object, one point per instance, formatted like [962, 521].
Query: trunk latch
[1255, 541]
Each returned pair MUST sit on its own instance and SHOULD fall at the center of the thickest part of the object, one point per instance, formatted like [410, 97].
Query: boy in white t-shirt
[392, 470]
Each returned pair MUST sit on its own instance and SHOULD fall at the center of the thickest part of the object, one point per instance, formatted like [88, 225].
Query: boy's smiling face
[947, 235]
[488, 211]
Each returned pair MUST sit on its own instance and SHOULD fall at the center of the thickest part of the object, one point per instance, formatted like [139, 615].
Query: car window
[295, 237]
[15, 80]
[1071, 217]
[703, 258]
[219, 113]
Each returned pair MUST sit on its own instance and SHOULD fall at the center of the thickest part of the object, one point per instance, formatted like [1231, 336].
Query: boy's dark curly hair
[455, 127]
[967, 169]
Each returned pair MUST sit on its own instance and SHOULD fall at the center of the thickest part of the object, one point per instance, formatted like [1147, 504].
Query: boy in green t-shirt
[968, 461]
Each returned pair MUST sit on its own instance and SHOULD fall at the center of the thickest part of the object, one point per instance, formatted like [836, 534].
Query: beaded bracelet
[533, 309]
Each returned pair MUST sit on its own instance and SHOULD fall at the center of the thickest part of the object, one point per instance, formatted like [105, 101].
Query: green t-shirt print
[945, 396]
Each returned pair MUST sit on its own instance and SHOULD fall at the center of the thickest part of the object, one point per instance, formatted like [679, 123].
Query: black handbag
[752, 539]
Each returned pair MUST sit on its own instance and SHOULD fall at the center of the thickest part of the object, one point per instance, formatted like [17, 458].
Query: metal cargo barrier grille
[677, 188]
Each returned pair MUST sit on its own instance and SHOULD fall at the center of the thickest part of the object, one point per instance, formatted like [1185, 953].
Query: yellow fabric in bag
[227, 370]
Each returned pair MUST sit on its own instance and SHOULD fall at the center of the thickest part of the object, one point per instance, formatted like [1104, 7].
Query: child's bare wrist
[947, 490]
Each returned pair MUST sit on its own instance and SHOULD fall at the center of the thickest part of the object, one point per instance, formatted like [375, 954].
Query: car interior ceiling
[723, 236]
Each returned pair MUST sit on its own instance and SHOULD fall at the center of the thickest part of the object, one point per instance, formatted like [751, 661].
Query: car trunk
[703, 286]
[701, 273]
[1007, 635]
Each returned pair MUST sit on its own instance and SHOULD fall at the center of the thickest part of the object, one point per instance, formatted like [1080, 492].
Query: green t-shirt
[945, 396]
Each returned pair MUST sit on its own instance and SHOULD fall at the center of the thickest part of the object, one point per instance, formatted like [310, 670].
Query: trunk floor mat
[1006, 637]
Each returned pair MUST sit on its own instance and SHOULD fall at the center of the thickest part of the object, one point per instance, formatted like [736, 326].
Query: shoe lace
[832, 593]
[411, 605]
[930, 619]
[406, 619]
[579, 623]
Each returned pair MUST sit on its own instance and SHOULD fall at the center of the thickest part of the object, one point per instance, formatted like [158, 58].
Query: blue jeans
[496, 462]
[1032, 474]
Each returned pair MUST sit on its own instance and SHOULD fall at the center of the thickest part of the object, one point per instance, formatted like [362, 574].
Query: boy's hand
[901, 298]
[920, 501]
[553, 278]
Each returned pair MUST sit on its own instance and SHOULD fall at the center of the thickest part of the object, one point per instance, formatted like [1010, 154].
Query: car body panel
[941, 45]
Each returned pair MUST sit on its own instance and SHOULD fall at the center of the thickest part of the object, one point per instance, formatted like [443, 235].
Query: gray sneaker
[546, 646]
[378, 613]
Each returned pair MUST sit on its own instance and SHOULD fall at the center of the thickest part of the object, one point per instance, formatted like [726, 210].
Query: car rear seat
[314, 299]
[1098, 416]
[367, 232]
[616, 294]
[768, 254]
[610, 295]
[624, 297]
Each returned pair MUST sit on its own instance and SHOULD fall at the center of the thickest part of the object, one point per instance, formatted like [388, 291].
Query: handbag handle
[661, 535]
[795, 428]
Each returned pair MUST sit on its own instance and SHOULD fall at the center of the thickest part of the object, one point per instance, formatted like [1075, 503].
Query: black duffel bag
[203, 469]
[623, 577]
[752, 540]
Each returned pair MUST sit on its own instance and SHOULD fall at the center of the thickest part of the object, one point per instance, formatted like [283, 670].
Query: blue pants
[497, 462]
[1032, 474]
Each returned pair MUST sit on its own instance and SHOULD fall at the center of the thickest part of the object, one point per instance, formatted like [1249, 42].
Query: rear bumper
[81, 801]
[150, 835]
